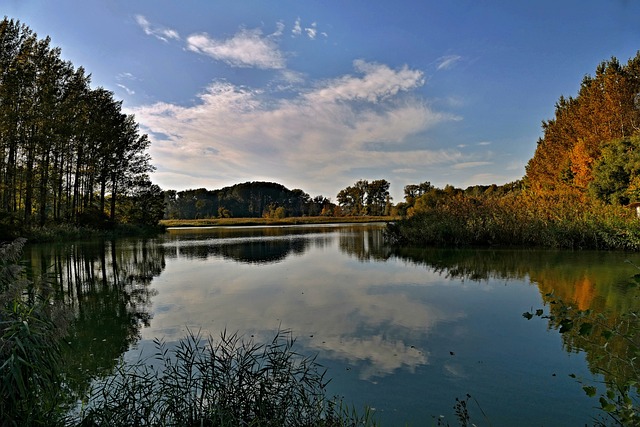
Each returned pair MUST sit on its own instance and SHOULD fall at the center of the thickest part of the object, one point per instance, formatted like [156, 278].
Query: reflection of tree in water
[593, 298]
[106, 288]
[258, 251]
[264, 245]
[364, 245]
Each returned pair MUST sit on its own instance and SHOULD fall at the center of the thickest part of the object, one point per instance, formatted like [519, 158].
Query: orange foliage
[584, 293]
[606, 108]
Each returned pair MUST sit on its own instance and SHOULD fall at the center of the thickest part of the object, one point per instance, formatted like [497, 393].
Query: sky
[317, 95]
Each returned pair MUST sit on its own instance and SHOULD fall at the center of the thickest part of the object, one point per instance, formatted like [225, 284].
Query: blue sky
[319, 94]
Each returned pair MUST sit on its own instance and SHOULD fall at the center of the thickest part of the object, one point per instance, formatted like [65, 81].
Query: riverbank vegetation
[579, 186]
[300, 220]
[228, 381]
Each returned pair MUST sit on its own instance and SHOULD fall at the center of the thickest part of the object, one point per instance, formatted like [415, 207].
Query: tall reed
[226, 382]
[32, 387]
[519, 221]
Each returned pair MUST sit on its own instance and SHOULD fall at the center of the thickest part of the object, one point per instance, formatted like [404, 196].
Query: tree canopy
[249, 199]
[606, 108]
[68, 153]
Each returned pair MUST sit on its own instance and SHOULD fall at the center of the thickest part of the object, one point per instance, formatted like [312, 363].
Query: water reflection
[424, 325]
[105, 285]
[265, 245]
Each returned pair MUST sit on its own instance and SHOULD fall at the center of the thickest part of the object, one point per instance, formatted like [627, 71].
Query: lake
[404, 330]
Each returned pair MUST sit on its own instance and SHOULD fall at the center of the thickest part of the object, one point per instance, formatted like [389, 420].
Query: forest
[68, 153]
[246, 200]
[272, 200]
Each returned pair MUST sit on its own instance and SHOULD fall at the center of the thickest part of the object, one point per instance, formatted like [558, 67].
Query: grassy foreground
[230, 222]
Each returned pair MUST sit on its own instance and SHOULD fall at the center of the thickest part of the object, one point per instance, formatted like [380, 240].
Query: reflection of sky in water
[395, 335]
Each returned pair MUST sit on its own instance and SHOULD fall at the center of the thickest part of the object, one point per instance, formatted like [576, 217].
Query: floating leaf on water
[585, 329]
[590, 390]
[565, 325]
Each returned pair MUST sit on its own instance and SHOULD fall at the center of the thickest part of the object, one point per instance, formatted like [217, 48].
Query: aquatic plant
[231, 381]
[32, 390]
[551, 222]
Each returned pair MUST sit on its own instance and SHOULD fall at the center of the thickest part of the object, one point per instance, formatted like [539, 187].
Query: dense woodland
[271, 200]
[68, 154]
[247, 200]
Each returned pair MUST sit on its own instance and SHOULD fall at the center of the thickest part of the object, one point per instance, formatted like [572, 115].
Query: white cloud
[297, 28]
[312, 31]
[315, 141]
[247, 48]
[163, 34]
[126, 89]
[377, 83]
[446, 62]
[279, 29]
[467, 165]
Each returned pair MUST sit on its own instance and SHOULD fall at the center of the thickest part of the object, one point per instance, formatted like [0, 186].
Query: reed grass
[226, 382]
[32, 387]
[562, 223]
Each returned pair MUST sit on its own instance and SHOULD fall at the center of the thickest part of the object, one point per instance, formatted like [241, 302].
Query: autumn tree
[606, 108]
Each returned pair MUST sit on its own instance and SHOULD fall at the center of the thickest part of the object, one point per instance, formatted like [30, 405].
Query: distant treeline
[68, 154]
[246, 200]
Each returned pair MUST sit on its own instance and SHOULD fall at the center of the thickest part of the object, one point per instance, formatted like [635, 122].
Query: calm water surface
[405, 331]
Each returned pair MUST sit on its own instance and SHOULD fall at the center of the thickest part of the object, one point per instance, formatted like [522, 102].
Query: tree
[378, 197]
[145, 205]
[352, 199]
[64, 148]
[616, 173]
[606, 108]
[365, 198]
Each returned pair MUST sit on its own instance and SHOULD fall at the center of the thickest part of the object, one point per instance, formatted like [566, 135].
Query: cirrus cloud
[160, 33]
[247, 48]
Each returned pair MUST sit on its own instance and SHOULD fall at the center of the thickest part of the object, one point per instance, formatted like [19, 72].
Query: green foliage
[247, 200]
[365, 198]
[616, 174]
[32, 387]
[229, 382]
[64, 147]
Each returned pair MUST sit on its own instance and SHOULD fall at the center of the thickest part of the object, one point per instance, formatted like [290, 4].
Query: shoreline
[241, 222]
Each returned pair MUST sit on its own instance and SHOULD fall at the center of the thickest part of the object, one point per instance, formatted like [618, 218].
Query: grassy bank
[555, 222]
[231, 222]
